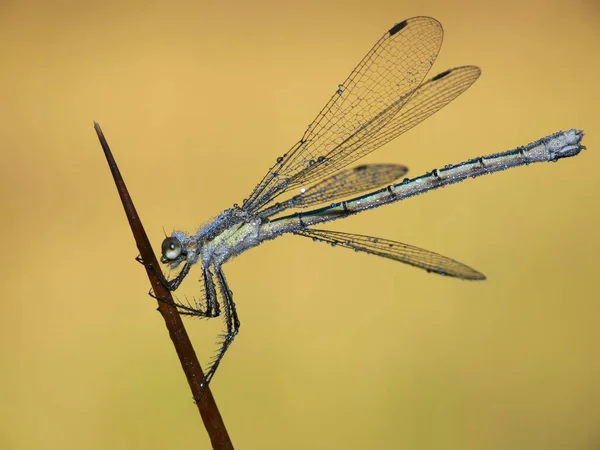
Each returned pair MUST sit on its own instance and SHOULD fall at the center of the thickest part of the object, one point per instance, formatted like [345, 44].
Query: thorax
[230, 234]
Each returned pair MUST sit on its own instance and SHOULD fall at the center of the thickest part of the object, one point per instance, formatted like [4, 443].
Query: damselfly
[383, 97]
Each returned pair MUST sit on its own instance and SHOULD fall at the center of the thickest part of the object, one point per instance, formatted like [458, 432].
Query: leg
[233, 325]
[212, 308]
[169, 284]
[151, 268]
[175, 282]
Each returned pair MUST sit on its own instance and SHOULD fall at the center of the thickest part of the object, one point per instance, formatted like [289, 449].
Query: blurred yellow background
[336, 350]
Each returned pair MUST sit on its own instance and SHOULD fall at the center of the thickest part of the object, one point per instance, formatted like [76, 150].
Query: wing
[343, 184]
[375, 91]
[427, 99]
[418, 257]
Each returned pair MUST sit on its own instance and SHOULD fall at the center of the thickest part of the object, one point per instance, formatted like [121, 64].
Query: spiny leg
[169, 284]
[233, 326]
[175, 282]
[212, 308]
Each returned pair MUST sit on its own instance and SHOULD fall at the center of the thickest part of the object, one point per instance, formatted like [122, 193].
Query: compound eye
[171, 249]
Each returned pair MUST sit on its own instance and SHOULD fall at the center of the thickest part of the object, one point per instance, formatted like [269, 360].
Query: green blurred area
[337, 350]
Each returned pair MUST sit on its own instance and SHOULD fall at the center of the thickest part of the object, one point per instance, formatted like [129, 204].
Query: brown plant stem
[213, 422]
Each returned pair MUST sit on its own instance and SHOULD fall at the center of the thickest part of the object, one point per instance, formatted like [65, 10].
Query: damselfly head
[172, 250]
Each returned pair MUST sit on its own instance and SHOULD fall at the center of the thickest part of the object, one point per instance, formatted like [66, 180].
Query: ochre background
[337, 350]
